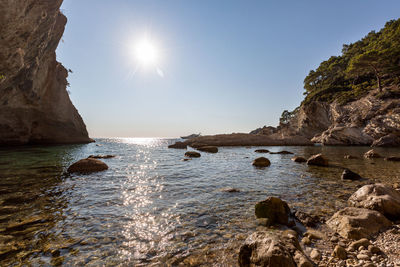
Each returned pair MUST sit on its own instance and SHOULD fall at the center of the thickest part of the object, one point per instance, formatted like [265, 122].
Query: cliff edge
[35, 107]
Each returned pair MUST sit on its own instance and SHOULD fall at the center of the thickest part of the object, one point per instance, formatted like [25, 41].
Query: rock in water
[261, 162]
[299, 159]
[379, 197]
[274, 209]
[192, 154]
[318, 160]
[392, 159]
[178, 145]
[283, 152]
[87, 166]
[356, 223]
[262, 151]
[101, 156]
[371, 154]
[35, 105]
[271, 249]
[209, 149]
[349, 175]
[350, 157]
[390, 140]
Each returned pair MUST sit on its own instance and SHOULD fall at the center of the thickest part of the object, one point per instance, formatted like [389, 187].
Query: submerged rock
[371, 154]
[392, 159]
[209, 149]
[349, 175]
[350, 157]
[318, 160]
[262, 151]
[230, 190]
[298, 159]
[274, 209]
[283, 152]
[272, 249]
[178, 145]
[357, 223]
[101, 156]
[390, 140]
[379, 197]
[87, 166]
[192, 154]
[261, 162]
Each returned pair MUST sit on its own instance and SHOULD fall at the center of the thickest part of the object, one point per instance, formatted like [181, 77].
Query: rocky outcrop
[357, 223]
[274, 209]
[209, 149]
[34, 104]
[178, 145]
[379, 197]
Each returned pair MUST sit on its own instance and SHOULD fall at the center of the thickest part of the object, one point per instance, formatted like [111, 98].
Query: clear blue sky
[228, 66]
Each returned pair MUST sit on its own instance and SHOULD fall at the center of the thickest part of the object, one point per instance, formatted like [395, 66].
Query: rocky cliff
[371, 120]
[34, 104]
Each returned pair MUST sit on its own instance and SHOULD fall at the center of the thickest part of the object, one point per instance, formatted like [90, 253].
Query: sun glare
[146, 53]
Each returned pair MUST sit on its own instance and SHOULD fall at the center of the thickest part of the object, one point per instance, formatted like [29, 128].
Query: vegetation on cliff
[372, 62]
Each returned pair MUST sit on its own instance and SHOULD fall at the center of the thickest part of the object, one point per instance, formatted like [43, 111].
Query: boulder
[192, 154]
[178, 145]
[272, 249]
[371, 154]
[209, 149]
[299, 159]
[318, 160]
[390, 140]
[349, 175]
[261, 162]
[274, 209]
[87, 166]
[392, 159]
[340, 252]
[307, 219]
[262, 151]
[356, 223]
[379, 197]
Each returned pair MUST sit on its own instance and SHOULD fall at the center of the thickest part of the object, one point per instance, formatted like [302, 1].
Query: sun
[146, 52]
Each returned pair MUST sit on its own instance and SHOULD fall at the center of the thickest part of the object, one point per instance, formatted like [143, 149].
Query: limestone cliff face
[34, 104]
[371, 120]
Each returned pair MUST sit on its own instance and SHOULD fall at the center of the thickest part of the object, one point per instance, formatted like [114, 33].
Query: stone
[379, 197]
[274, 209]
[362, 257]
[349, 175]
[192, 154]
[261, 162]
[283, 152]
[356, 223]
[318, 160]
[230, 190]
[101, 156]
[178, 145]
[270, 249]
[298, 159]
[363, 242]
[35, 105]
[314, 234]
[87, 166]
[209, 149]
[307, 219]
[350, 157]
[390, 140]
[340, 253]
[374, 249]
[371, 154]
[315, 254]
[306, 241]
[262, 151]
[392, 159]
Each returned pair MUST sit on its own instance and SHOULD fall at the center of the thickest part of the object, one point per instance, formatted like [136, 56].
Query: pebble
[315, 254]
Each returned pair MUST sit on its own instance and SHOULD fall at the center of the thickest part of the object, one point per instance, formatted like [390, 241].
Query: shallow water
[151, 208]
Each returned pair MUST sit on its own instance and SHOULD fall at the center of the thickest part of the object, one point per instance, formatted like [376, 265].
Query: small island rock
[318, 160]
[371, 154]
[261, 162]
[178, 145]
[262, 151]
[87, 166]
[349, 175]
[209, 149]
[192, 154]
[299, 159]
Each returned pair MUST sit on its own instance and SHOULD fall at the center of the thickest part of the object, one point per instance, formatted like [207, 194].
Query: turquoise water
[151, 208]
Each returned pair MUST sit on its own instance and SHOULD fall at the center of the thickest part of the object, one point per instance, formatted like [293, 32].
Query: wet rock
[262, 151]
[314, 234]
[178, 145]
[230, 190]
[357, 223]
[261, 162]
[349, 175]
[87, 166]
[374, 249]
[270, 249]
[209, 149]
[21, 225]
[101, 156]
[350, 157]
[340, 253]
[283, 152]
[318, 160]
[274, 209]
[307, 219]
[371, 154]
[379, 197]
[186, 159]
[390, 140]
[299, 159]
[392, 159]
[192, 154]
